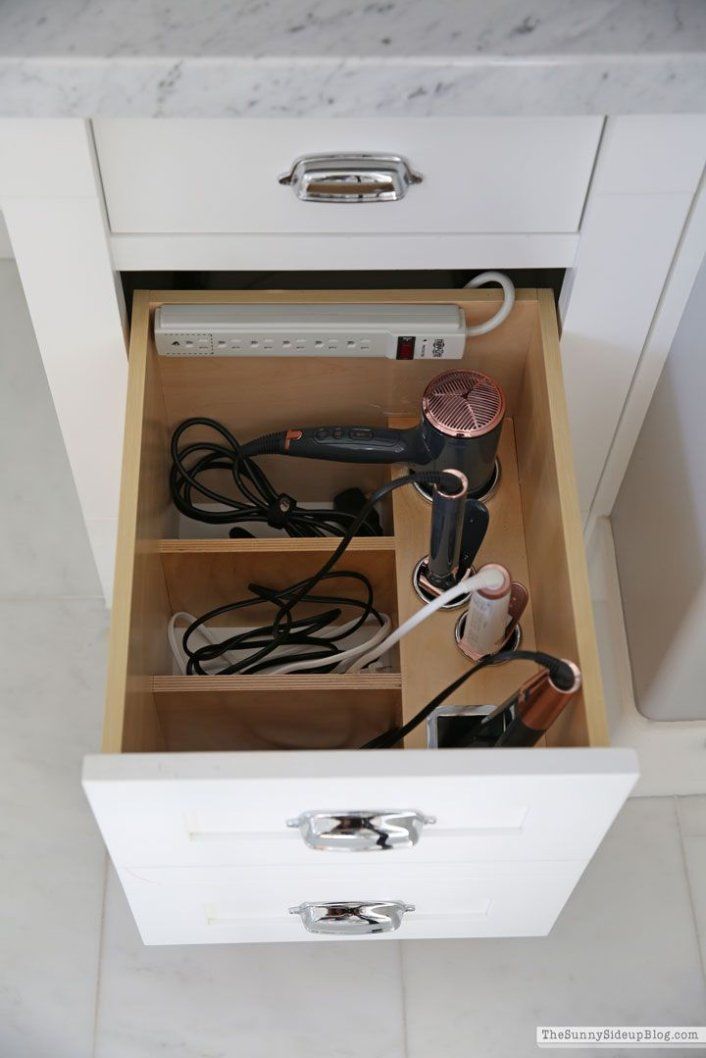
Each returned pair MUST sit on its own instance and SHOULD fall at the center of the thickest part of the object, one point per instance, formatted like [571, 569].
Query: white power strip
[396, 332]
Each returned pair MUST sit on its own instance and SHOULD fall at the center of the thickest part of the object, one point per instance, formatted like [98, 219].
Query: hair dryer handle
[356, 444]
[475, 525]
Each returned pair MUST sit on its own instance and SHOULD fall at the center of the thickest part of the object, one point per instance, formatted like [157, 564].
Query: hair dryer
[462, 415]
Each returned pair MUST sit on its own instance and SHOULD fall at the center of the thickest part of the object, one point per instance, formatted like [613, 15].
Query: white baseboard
[672, 754]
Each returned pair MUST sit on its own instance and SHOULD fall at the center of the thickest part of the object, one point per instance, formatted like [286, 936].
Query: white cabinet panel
[651, 154]
[218, 176]
[226, 905]
[642, 195]
[232, 808]
[46, 158]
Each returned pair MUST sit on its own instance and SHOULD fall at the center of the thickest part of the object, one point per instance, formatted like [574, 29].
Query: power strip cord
[505, 309]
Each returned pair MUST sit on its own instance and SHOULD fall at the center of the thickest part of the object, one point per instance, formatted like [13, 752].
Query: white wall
[5, 248]
[659, 526]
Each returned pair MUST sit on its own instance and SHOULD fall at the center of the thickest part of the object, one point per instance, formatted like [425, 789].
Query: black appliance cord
[285, 629]
[260, 503]
[259, 644]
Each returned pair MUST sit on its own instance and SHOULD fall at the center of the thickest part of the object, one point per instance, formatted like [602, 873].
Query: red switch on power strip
[405, 347]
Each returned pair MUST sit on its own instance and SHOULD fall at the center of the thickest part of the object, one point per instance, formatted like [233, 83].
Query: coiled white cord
[175, 637]
[484, 578]
[346, 656]
[504, 310]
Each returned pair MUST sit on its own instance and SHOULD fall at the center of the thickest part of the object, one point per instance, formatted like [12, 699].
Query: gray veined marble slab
[692, 824]
[52, 862]
[624, 952]
[339, 58]
[319, 28]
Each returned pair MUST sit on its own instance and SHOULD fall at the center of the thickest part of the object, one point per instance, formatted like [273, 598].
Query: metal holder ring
[426, 595]
[512, 642]
[427, 491]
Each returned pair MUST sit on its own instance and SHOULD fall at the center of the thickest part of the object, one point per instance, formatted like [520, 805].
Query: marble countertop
[329, 58]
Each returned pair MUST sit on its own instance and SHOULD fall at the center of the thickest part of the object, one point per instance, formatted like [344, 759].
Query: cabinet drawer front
[233, 808]
[217, 176]
[221, 905]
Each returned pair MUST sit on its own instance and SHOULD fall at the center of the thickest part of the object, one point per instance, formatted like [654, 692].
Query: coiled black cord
[260, 503]
[285, 630]
[260, 644]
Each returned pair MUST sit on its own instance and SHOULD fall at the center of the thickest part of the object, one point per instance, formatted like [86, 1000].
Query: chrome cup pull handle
[371, 830]
[346, 919]
[350, 177]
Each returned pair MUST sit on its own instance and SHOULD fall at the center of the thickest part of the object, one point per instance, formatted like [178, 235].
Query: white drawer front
[232, 808]
[217, 176]
[221, 905]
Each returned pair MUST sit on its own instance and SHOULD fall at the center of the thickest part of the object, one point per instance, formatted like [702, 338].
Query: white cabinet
[163, 810]
[479, 175]
[204, 852]
[614, 201]
[244, 905]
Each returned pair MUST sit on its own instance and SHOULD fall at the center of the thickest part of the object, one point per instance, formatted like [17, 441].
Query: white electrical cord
[207, 636]
[345, 656]
[504, 310]
[175, 640]
[485, 578]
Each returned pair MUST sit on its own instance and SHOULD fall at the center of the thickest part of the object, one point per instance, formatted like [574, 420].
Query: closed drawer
[480, 175]
[201, 774]
[226, 906]
[233, 809]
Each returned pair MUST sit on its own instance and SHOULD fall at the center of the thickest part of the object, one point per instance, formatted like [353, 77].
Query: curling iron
[536, 704]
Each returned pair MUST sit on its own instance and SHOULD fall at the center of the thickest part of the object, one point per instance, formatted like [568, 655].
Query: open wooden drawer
[201, 775]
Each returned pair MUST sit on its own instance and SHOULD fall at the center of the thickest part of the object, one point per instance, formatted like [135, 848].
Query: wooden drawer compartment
[182, 748]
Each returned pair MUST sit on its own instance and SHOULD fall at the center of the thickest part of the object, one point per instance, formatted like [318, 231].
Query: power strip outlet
[395, 332]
